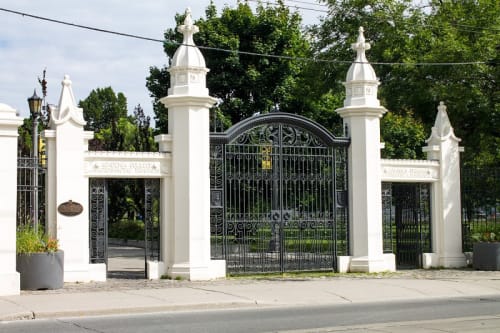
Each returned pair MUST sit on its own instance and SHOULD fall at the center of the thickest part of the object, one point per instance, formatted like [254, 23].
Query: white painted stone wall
[66, 142]
[443, 146]
[9, 123]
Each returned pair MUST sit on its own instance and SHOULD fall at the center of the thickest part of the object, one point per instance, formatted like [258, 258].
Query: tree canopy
[244, 83]
[423, 53]
[405, 37]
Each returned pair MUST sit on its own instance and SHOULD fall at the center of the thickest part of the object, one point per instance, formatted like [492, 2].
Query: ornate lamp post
[35, 105]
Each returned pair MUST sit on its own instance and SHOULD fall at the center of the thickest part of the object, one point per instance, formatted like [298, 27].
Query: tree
[144, 140]
[403, 135]
[404, 37]
[106, 114]
[104, 110]
[243, 83]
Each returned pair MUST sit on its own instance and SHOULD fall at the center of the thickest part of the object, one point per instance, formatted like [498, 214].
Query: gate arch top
[291, 119]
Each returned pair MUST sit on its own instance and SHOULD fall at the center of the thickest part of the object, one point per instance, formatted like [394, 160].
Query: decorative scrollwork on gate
[98, 220]
[283, 184]
[152, 218]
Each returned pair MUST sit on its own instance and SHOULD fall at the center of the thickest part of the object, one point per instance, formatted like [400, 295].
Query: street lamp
[35, 104]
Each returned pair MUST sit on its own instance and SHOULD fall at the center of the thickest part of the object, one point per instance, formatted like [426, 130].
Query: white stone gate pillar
[443, 146]
[361, 114]
[9, 124]
[66, 142]
[188, 106]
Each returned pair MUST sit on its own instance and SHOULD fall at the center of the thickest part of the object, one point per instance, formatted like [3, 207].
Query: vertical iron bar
[35, 172]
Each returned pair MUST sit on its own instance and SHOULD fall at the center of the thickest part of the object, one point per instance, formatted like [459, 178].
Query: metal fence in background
[31, 191]
[480, 202]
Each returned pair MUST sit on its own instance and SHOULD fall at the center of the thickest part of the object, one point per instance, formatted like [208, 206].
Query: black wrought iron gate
[99, 219]
[406, 219]
[152, 219]
[278, 195]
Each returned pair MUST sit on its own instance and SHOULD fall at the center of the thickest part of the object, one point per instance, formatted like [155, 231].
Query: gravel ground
[130, 284]
[126, 271]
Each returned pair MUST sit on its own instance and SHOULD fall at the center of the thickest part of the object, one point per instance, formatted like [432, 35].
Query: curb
[25, 315]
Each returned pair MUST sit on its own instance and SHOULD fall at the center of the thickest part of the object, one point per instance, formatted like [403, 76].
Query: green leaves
[244, 83]
[404, 31]
[403, 135]
[30, 241]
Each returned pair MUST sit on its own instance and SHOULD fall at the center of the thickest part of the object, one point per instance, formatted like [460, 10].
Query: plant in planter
[39, 260]
[486, 249]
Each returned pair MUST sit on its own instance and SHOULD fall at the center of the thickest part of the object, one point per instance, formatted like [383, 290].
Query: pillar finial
[361, 46]
[188, 29]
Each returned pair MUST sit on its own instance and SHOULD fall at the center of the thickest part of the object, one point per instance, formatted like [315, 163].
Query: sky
[91, 59]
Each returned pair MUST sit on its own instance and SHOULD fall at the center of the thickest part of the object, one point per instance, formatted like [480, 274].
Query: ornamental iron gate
[406, 222]
[152, 219]
[99, 220]
[278, 195]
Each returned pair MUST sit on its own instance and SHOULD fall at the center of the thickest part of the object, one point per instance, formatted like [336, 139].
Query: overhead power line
[308, 3]
[292, 6]
[267, 55]
[466, 28]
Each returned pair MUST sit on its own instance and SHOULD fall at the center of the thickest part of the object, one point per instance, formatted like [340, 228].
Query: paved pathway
[125, 262]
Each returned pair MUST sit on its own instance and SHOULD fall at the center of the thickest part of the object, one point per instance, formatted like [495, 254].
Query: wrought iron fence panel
[152, 218]
[98, 220]
[388, 219]
[278, 197]
[30, 191]
[480, 202]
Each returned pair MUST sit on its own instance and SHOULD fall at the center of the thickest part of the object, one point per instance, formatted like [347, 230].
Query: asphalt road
[307, 319]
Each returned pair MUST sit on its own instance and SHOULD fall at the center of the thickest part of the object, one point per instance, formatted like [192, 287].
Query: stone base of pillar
[215, 269]
[98, 272]
[384, 263]
[453, 261]
[430, 260]
[9, 284]
[155, 269]
[82, 273]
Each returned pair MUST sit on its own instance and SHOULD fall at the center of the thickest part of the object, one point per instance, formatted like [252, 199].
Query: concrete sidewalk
[134, 296]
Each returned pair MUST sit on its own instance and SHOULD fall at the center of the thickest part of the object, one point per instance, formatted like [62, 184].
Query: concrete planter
[41, 270]
[486, 256]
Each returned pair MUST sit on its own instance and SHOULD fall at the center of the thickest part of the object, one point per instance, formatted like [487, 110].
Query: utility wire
[468, 28]
[307, 3]
[267, 55]
[291, 6]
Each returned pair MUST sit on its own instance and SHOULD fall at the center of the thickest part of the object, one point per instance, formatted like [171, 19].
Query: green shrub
[486, 234]
[30, 241]
[126, 229]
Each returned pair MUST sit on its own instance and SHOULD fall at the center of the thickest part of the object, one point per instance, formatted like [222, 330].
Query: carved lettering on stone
[124, 168]
[406, 173]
